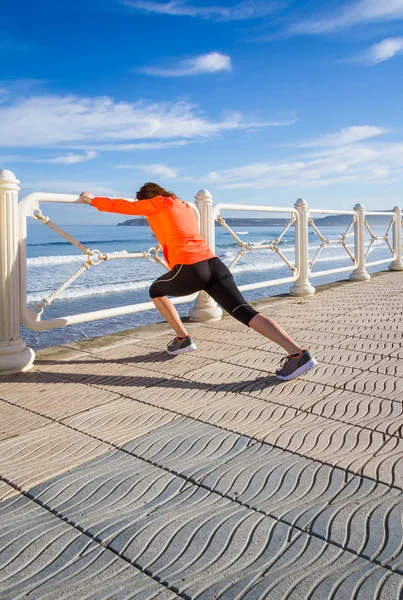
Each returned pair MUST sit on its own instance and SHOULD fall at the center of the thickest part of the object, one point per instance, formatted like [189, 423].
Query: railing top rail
[31, 201]
[379, 214]
[254, 208]
[325, 211]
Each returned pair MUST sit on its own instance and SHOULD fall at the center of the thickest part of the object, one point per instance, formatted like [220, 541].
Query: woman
[194, 267]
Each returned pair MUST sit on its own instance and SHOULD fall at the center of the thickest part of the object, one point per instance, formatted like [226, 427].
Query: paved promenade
[126, 473]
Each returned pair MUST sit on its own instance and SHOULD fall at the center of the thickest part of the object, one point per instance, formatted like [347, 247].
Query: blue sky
[260, 101]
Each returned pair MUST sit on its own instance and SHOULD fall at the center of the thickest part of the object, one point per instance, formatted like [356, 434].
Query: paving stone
[387, 464]
[53, 396]
[376, 384]
[310, 569]
[120, 421]
[366, 518]
[389, 366]
[6, 491]
[15, 421]
[44, 558]
[299, 393]
[42, 453]
[252, 416]
[180, 395]
[153, 360]
[348, 358]
[360, 409]
[373, 346]
[188, 446]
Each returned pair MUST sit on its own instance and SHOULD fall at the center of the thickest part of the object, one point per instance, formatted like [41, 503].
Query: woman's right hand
[87, 197]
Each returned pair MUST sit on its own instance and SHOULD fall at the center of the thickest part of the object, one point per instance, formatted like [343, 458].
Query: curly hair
[150, 190]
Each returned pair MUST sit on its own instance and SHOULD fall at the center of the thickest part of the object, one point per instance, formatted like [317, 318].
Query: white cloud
[345, 164]
[353, 13]
[206, 63]
[70, 158]
[156, 170]
[384, 50]
[348, 135]
[137, 146]
[68, 186]
[51, 121]
[240, 11]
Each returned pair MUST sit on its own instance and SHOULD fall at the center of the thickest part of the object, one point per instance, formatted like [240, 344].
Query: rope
[40, 307]
[384, 237]
[46, 221]
[247, 247]
[326, 242]
[94, 258]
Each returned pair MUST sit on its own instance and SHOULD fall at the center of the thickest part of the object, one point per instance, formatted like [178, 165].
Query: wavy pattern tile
[15, 421]
[359, 409]
[53, 395]
[119, 421]
[310, 569]
[45, 452]
[44, 558]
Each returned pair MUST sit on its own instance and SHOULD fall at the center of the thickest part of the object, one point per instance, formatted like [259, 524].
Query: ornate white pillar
[205, 308]
[397, 264]
[302, 286]
[15, 356]
[360, 273]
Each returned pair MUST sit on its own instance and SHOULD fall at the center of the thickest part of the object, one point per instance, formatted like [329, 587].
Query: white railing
[29, 207]
[14, 309]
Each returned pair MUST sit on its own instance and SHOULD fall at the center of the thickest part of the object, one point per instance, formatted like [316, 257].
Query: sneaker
[294, 366]
[181, 345]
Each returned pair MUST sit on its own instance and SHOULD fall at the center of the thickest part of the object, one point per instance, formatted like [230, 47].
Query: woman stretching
[194, 267]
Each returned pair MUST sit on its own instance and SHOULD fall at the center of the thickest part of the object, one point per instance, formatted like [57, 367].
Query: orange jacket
[173, 223]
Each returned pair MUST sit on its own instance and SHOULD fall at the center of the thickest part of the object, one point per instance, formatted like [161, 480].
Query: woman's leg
[182, 280]
[274, 332]
[225, 292]
[170, 314]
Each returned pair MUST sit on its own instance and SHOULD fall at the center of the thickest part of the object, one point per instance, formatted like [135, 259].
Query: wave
[88, 243]
[80, 292]
[241, 232]
[39, 261]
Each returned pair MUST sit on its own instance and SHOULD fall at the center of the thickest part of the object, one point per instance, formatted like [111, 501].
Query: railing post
[15, 356]
[360, 273]
[302, 285]
[397, 264]
[205, 308]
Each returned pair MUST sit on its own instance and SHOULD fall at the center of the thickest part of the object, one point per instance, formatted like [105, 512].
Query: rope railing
[376, 238]
[325, 242]
[94, 258]
[246, 247]
[295, 259]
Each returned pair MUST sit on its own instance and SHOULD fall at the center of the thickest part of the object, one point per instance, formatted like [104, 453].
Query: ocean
[51, 260]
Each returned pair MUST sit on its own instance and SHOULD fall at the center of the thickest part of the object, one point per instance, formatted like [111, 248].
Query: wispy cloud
[355, 162]
[348, 135]
[68, 186]
[51, 121]
[153, 170]
[198, 65]
[70, 158]
[384, 50]
[136, 146]
[350, 14]
[240, 11]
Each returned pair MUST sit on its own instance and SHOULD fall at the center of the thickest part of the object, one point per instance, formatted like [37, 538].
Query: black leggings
[212, 276]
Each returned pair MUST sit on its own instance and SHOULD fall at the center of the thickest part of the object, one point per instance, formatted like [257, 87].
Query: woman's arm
[116, 205]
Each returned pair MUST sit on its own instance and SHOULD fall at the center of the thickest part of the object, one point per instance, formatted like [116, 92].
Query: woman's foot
[294, 366]
[181, 345]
